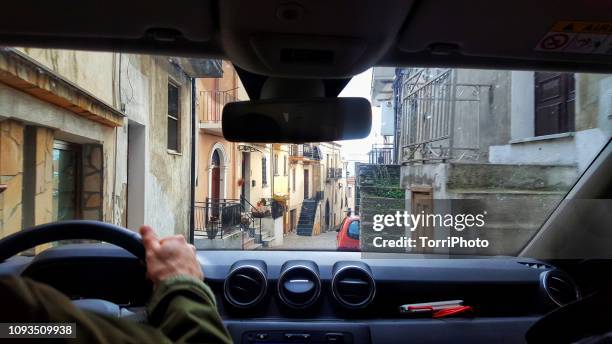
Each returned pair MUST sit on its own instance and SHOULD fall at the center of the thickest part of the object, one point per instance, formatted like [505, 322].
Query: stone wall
[92, 193]
[43, 189]
[11, 174]
[380, 193]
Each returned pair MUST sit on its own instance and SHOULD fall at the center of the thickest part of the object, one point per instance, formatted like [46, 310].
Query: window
[285, 165]
[555, 95]
[293, 172]
[353, 230]
[173, 118]
[66, 198]
[276, 164]
[264, 172]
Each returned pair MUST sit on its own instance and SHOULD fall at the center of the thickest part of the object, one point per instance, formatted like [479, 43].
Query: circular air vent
[559, 287]
[245, 286]
[299, 286]
[353, 287]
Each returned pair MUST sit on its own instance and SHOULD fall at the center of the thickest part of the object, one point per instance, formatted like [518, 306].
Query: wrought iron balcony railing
[440, 117]
[211, 105]
[381, 155]
[305, 150]
[334, 173]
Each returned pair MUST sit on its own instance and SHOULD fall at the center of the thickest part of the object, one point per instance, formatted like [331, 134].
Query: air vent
[560, 287]
[299, 286]
[353, 287]
[245, 286]
[538, 266]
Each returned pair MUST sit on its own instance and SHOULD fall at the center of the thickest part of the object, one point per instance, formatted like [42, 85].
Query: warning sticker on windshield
[578, 37]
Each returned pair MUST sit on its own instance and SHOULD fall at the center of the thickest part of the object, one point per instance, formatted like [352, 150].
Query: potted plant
[260, 210]
[212, 227]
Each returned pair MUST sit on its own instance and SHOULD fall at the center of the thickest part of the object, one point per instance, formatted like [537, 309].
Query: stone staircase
[265, 239]
[307, 217]
[232, 239]
[249, 243]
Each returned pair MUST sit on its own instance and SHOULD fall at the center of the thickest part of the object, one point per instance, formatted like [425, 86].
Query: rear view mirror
[297, 121]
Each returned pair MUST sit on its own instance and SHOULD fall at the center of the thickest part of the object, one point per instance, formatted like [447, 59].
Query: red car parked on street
[348, 234]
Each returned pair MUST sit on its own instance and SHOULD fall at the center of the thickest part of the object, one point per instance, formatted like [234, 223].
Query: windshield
[459, 161]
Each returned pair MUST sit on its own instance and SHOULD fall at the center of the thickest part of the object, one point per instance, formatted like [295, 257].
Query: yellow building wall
[281, 177]
[232, 161]
[296, 193]
[209, 139]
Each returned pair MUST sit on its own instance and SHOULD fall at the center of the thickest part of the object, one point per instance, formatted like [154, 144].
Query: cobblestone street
[323, 241]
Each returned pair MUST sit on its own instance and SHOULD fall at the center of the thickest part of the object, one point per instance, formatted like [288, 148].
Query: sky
[357, 150]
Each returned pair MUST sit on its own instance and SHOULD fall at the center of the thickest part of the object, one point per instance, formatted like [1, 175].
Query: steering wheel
[588, 316]
[72, 230]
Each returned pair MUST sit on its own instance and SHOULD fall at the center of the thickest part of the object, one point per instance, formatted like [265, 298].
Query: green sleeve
[181, 310]
[24, 300]
[184, 309]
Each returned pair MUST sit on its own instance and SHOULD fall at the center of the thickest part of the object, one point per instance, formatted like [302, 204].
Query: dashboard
[328, 297]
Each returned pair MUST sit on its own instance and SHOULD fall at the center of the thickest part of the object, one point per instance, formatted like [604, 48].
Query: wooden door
[555, 98]
[215, 190]
[293, 220]
[422, 203]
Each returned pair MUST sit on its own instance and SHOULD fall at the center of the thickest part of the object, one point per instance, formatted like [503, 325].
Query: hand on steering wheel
[169, 257]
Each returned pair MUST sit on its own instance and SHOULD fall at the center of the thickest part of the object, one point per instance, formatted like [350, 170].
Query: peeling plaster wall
[139, 89]
[144, 95]
[92, 71]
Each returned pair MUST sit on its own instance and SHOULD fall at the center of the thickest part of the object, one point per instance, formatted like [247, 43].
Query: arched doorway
[215, 175]
[216, 178]
[217, 170]
[327, 215]
[215, 182]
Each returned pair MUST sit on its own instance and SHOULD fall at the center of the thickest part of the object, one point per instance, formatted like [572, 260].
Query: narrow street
[323, 241]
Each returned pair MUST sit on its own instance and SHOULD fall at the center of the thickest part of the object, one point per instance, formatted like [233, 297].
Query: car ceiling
[316, 38]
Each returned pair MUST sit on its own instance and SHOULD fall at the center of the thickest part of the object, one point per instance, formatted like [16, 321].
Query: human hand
[169, 257]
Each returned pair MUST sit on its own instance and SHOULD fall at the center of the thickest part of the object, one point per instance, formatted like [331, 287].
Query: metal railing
[319, 195]
[305, 150]
[211, 105]
[334, 173]
[439, 118]
[249, 211]
[381, 155]
[217, 216]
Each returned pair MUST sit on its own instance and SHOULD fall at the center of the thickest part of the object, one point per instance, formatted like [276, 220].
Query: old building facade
[88, 135]
[515, 141]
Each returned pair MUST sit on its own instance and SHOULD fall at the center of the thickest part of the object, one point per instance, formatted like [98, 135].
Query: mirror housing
[297, 120]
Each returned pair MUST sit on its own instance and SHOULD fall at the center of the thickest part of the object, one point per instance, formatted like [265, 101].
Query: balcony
[306, 152]
[440, 117]
[334, 173]
[210, 108]
[381, 155]
[199, 68]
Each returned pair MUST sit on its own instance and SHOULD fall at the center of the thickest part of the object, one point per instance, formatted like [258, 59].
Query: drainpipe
[273, 174]
[193, 161]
